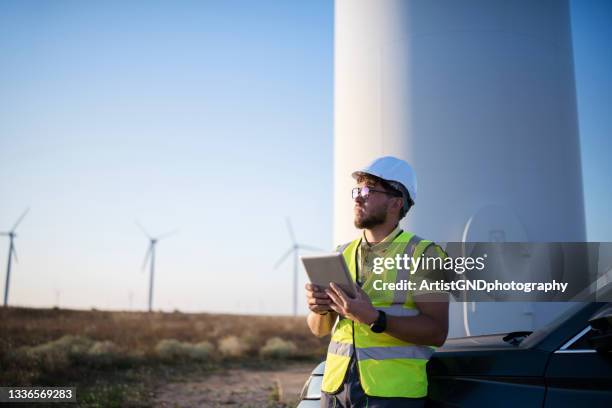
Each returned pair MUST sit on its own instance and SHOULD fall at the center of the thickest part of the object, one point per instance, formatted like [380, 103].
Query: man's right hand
[318, 300]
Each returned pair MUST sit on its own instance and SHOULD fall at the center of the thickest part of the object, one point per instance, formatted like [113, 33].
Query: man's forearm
[321, 325]
[421, 329]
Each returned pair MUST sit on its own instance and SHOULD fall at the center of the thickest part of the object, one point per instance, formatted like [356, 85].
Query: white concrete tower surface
[479, 97]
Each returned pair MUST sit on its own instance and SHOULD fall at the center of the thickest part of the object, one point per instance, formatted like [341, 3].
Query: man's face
[371, 211]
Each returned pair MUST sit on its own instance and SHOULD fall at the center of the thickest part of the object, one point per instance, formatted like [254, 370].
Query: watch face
[377, 328]
[380, 324]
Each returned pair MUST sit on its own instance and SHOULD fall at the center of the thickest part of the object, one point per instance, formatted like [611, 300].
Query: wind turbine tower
[480, 98]
[294, 249]
[12, 252]
[150, 256]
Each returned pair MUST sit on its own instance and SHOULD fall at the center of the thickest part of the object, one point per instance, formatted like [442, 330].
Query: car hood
[488, 355]
[486, 342]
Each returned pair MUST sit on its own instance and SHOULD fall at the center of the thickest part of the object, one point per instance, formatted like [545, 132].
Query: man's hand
[358, 309]
[317, 299]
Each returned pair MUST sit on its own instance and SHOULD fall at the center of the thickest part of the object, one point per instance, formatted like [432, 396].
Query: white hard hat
[394, 171]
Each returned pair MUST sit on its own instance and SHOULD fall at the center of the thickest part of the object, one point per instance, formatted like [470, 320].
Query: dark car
[567, 363]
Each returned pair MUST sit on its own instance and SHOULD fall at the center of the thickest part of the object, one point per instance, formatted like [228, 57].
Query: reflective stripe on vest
[340, 349]
[380, 353]
[388, 367]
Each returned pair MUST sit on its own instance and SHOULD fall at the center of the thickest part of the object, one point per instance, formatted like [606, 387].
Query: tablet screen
[323, 269]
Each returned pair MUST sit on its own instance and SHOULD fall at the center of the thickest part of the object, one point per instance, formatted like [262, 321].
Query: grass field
[141, 359]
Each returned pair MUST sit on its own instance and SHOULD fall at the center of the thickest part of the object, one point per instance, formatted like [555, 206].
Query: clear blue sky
[212, 117]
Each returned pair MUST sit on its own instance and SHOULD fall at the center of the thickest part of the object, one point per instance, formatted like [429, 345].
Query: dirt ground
[238, 388]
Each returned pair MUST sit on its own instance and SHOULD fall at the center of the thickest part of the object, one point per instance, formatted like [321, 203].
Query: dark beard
[372, 220]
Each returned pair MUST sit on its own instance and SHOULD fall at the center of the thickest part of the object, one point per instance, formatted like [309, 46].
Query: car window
[583, 342]
[544, 331]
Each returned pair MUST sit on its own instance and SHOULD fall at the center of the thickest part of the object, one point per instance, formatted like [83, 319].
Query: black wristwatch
[380, 324]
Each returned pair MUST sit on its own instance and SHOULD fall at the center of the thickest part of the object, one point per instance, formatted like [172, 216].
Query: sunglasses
[364, 192]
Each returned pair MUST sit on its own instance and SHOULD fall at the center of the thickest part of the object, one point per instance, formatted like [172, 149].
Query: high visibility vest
[388, 367]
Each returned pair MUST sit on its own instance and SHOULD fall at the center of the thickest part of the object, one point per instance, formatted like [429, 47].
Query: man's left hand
[358, 309]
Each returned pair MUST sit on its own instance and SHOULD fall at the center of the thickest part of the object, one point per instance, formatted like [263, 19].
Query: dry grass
[139, 331]
[59, 347]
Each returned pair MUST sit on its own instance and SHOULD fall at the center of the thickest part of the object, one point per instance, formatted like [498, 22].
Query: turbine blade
[147, 256]
[5, 234]
[20, 219]
[290, 228]
[167, 234]
[143, 230]
[282, 258]
[310, 248]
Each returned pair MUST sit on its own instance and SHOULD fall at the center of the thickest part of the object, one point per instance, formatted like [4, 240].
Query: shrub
[171, 349]
[278, 348]
[102, 353]
[201, 351]
[70, 350]
[168, 349]
[57, 354]
[232, 346]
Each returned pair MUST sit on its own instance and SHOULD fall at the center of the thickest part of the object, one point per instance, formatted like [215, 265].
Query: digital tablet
[323, 269]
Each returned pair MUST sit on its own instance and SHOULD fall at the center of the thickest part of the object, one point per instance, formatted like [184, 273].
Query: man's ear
[399, 204]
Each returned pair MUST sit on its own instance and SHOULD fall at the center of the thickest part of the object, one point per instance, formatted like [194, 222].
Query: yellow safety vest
[388, 367]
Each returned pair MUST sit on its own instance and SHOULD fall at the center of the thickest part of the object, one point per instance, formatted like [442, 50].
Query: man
[383, 338]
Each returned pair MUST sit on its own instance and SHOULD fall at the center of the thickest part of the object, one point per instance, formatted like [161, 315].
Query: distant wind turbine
[151, 255]
[12, 252]
[294, 249]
